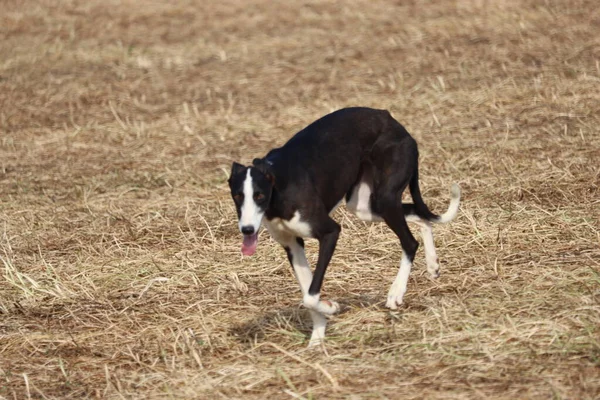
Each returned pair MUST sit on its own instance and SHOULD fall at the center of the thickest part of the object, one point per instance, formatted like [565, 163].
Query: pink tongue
[249, 244]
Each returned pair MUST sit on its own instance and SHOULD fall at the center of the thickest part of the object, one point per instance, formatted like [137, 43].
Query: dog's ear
[236, 169]
[264, 167]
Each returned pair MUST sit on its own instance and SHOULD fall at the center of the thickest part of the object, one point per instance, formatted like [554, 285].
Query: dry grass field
[121, 274]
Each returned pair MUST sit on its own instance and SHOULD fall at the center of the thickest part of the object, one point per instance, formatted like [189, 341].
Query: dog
[363, 155]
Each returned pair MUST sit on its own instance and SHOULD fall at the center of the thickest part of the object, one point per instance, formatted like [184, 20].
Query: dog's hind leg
[409, 247]
[359, 203]
[430, 253]
[428, 244]
[389, 207]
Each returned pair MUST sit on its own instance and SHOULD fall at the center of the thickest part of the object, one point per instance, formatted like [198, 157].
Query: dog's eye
[259, 196]
[238, 197]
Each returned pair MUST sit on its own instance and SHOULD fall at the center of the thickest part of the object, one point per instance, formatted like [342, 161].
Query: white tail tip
[452, 211]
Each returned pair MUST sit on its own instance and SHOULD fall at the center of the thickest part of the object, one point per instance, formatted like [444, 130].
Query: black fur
[261, 184]
[323, 162]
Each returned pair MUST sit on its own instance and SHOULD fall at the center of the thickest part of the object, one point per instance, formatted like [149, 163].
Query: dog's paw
[434, 272]
[393, 302]
[326, 307]
[315, 341]
[433, 268]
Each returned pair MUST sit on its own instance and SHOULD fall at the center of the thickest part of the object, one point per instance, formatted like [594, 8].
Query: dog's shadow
[294, 320]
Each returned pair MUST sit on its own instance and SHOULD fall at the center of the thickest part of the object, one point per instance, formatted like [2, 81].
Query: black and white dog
[361, 154]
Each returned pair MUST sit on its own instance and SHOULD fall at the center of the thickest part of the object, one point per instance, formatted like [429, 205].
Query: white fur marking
[428, 244]
[301, 267]
[304, 276]
[360, 203]
[430, 255]
[398, 288]
[319, 325]
[311, 301]
[293, 226]
[297, 227]
[453, 207]
[251, 214]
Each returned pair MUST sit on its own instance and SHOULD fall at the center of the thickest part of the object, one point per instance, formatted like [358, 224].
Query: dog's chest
[294, 226]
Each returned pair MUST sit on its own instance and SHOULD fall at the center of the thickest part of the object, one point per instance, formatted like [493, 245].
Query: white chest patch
[294, 226]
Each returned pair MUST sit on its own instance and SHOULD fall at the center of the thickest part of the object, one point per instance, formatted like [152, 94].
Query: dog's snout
[248, 230]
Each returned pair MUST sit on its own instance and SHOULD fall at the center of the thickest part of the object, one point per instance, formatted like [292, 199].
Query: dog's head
[251, 190]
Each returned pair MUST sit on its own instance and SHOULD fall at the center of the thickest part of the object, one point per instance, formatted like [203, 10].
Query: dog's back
[333, 148]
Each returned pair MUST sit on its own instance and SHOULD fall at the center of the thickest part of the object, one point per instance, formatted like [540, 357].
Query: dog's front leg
[297, 257]
[327, 235]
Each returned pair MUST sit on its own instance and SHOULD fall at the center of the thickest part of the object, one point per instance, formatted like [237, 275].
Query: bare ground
[122, 276]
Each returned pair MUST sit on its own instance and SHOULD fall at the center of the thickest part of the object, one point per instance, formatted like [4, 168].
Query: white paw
[311, 301]
[393, 301]
[315, 341]
[326, 307]
[434, 269]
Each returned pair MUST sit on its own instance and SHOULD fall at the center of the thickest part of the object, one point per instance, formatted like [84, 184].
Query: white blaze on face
[250, 216]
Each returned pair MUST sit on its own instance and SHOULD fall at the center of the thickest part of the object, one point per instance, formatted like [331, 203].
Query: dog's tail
[420, 209]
